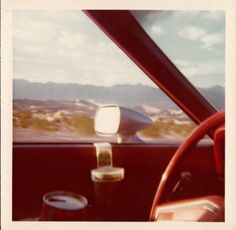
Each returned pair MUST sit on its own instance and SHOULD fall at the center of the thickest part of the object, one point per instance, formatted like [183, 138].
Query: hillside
[126, 95]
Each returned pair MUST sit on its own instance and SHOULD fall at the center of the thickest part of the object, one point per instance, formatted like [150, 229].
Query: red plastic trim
[219, 150]
[126, 32]
[208, 125]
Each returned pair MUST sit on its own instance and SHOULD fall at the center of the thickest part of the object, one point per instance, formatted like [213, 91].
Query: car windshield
[62, 75]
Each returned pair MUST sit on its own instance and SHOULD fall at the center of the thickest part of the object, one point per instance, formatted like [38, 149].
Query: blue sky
[66, 46]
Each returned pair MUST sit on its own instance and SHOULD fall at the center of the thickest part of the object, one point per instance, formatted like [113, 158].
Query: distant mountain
[126, 95]
[215, 95]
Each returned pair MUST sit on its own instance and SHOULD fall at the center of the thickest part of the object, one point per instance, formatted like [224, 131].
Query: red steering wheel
[210, 124]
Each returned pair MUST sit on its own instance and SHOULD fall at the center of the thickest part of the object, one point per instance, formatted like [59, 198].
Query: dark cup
[63, 206]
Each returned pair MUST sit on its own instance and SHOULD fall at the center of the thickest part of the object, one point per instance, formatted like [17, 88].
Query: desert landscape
[50, 112]
[73, 121]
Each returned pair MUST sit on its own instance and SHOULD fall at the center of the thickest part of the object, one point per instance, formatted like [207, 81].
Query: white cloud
[190, 68]
[64, 15]
[52, 47]
[60, 75]
[200, 14]
[33, 49]
[185, 14]
[211, 40]
[102, 46]
[214, 15]
[106, 47]
[191, 33]
[99, 60]
[57, 75]
[78, 54]
[36, 32]
[182, 63]
[70, 54]
[208, 40]
[156, 30]
[71, 40]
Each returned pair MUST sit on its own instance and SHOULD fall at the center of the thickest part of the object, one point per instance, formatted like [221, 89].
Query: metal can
[63, 206]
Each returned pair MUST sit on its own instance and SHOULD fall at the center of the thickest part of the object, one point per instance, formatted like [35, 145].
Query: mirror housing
[113, 119]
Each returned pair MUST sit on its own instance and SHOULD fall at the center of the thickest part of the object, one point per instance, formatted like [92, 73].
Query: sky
[65, 46]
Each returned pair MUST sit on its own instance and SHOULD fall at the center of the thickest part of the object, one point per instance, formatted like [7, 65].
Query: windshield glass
[195, 42]
[65, 67]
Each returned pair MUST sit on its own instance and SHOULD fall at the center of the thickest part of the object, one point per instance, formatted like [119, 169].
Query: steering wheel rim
[204, 128]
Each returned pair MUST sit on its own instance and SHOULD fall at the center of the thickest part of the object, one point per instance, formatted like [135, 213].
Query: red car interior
[219, 150]
[205, 127]
[39, 168]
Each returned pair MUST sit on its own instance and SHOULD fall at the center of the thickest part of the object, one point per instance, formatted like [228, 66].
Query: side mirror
[113, 119]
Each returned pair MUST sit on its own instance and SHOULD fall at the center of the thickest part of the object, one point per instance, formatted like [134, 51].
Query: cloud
[71, 40]
[208, 40]
[103, 46]
[190, 68]
[186, 14]
[211, 40]
[156, 30]
[191, 33]
[58, 75]
[200, 15]
[36, 32]
[51, 47]
[68, 16]
[32, 49]
[214, 15]
[148, 17]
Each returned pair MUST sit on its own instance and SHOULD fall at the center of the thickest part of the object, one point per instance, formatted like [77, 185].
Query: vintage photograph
[118, 115]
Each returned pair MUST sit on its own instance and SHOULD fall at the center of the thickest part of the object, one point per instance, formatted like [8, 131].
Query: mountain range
[125, 94]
